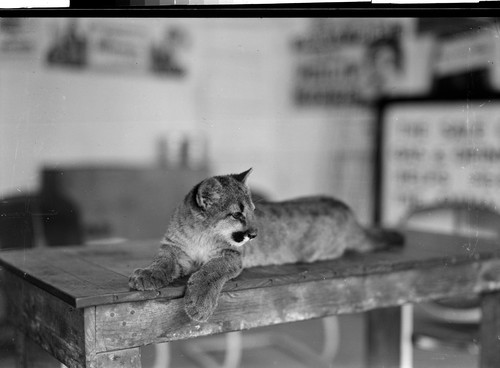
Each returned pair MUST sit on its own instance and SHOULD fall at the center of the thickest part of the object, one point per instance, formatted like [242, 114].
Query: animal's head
[226, 207]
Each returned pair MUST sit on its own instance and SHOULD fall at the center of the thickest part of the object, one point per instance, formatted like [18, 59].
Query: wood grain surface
[76, 304]
[98, 274]
[54, 325]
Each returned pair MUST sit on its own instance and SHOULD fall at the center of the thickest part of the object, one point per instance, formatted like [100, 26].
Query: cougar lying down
[217, 231]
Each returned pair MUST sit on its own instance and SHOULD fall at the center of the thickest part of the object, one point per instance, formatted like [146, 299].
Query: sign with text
[435, 152]
[351, 60]
[120, 45]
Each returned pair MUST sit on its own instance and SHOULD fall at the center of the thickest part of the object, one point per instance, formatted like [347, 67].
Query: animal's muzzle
[241, 236]
[252, 233]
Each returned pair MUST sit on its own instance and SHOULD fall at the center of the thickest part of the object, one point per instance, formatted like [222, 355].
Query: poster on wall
[68, 44]
[435, 153]
[118, 46]
[168, 54]
[19, 39]
[343, 60]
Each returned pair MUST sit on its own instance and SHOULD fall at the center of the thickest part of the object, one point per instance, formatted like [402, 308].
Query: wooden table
[75, 302]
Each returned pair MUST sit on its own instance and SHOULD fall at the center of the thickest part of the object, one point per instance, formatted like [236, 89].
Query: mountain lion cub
[209, 233]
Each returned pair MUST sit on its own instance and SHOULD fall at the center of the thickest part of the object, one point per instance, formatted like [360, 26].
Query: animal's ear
[209, 192]
[242, 177]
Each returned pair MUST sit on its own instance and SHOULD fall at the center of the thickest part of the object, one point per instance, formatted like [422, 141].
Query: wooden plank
[54, 325]
[130, 358]
[134, 324]
[33, 269]
[259, 277]
[419, 254]
[121, 257]
[421, 248]
[85, 276]
[490, 330]
[383, 338]
[124, 257]
[62, 273]
[90, 338]
[469, 246]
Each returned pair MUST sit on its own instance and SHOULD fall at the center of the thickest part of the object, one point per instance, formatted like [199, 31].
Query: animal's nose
[252, 233]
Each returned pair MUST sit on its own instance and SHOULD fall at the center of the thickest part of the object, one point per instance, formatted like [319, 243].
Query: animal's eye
[237, 215]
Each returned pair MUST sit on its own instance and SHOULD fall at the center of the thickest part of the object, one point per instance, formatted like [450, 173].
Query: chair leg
[490, 330]
[331, 338]
[234, 348]
[232, 344]
[384, 338]
[162, 355]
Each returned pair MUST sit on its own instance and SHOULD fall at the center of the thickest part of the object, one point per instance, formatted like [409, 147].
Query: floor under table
[350, 354]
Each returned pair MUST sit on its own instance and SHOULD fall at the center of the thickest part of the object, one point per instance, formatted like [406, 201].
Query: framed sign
[356, 60]
[435, 151]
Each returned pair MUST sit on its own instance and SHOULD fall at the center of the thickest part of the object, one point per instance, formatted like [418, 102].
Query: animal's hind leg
[358, 239]
[369, 240]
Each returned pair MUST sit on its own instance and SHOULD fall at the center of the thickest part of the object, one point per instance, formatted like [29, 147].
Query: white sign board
[435, 152]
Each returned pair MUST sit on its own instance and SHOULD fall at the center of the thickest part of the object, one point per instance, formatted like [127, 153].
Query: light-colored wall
[61, 116]
[250, 118]
[238, 95]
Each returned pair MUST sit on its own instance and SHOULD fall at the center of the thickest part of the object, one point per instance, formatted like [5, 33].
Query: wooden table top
[98, 274]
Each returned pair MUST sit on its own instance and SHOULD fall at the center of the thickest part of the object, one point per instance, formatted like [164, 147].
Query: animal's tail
[384, 238]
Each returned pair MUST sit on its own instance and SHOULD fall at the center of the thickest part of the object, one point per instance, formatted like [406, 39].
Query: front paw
[148, 279]
[200, 301]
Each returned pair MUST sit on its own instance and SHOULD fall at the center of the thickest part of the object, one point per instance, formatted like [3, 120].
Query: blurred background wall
[296, 99]
[119, 91]
[292, 98]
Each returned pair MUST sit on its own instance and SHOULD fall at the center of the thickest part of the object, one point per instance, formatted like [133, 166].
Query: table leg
[128, 358]
[383, 335]
[490, 330]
